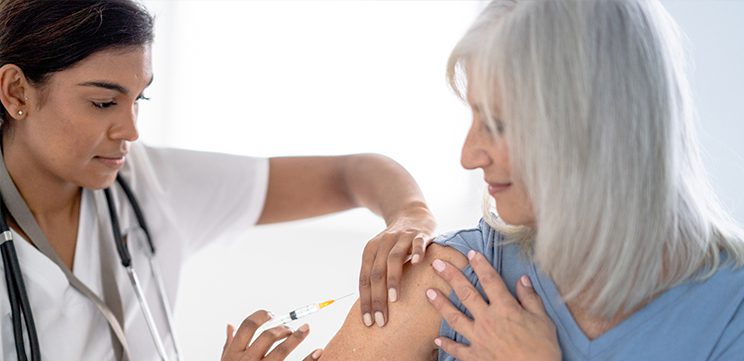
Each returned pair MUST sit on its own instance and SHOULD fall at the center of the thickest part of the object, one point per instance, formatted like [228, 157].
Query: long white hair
[600, 128]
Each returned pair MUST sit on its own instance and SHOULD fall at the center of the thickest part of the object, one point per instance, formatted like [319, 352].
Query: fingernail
[367, 319]
[525, 281]
[438, 342]
[271, 315]
[316, 354]
[415, 258]
[471, 254]
[431, 294]
[392, 295]
[304, 328]
[438, 265]
[379, 319]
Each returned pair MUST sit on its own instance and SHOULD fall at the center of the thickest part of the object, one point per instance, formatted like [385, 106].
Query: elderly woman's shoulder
[480, 238]
[729, 272]
[723, 290]
[483, 239]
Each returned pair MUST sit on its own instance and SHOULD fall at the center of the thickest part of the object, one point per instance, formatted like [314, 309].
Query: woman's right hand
[237, 347]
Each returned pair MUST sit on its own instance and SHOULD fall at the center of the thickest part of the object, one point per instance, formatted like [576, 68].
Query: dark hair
[43, 37]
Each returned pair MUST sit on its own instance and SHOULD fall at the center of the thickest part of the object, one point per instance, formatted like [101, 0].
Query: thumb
[420, 242]
[527, 296]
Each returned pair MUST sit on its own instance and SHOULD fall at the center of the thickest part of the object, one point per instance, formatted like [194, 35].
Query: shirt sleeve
[206, 195]
[480, 240]
[730, 345]
[463, 240]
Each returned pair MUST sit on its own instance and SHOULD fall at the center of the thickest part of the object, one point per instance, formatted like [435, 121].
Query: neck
[46, 195]
[594, 326]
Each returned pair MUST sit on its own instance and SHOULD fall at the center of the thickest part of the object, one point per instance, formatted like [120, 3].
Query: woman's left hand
[383, 259]
[505, 329]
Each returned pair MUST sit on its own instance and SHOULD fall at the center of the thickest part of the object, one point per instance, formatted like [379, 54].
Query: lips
[113, 161]
[494, 188]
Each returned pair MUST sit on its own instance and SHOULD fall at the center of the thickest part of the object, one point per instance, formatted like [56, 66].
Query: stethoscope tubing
[160, 286]
[154, 266]
[147, 313]
[126, 261]
[18, 296]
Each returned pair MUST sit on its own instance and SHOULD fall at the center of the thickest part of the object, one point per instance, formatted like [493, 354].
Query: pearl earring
[20, 112]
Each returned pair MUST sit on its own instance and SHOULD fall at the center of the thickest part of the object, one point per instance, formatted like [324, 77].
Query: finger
[283, 350]
[529, 299]
[314, 356]
[457, 350]
[378, 279]
[365, 286]
[264, 341]
[459, 321]
[230, 335]
[419, 247]
[247, 329]
[395, 262]
[491, 281]
[468, 295]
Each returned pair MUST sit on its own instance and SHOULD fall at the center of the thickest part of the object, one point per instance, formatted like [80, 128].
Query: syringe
[301, 312]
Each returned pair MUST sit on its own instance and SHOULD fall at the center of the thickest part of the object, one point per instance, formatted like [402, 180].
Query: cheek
[500, 155]
[514, 206]
[66, 133]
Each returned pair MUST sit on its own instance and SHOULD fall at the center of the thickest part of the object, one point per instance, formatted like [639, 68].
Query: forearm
[383, 186]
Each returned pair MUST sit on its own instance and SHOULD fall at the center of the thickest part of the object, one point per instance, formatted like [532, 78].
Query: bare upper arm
[301, 187]
[413, 323]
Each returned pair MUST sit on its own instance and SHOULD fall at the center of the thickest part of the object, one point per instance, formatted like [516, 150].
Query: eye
[492, 126]
[142, 97]
[103, 105]
[499, 126]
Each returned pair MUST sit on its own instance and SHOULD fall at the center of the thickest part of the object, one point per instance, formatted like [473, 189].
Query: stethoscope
[19, 303]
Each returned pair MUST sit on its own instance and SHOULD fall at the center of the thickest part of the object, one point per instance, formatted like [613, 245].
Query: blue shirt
[696, 320]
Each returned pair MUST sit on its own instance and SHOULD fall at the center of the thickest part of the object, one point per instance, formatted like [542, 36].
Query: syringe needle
[329, 302]
[350, 294]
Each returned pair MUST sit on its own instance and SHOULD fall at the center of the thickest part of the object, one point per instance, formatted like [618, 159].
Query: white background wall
[273, 78]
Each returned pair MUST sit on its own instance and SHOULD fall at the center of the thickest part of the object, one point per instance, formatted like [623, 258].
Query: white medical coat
[189, 199]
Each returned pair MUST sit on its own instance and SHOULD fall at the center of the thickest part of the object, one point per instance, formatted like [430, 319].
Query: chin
[99, 181]
[507, 219]
[513, 217]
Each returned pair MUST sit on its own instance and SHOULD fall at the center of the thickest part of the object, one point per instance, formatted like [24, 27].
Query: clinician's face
[84, 117]
[487, 149]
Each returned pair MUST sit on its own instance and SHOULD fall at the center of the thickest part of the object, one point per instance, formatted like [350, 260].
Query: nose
[125, 127]
[474, 153]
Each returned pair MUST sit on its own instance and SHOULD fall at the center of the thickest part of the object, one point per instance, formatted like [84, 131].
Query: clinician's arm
[413, 325]
[302, 187]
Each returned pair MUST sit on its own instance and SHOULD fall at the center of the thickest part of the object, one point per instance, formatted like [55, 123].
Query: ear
[14, 91]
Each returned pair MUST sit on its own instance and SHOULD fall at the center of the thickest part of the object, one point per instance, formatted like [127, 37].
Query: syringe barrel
[291, 316]
[304, 311]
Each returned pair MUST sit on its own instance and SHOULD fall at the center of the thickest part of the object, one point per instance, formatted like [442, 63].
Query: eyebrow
[112, 86]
